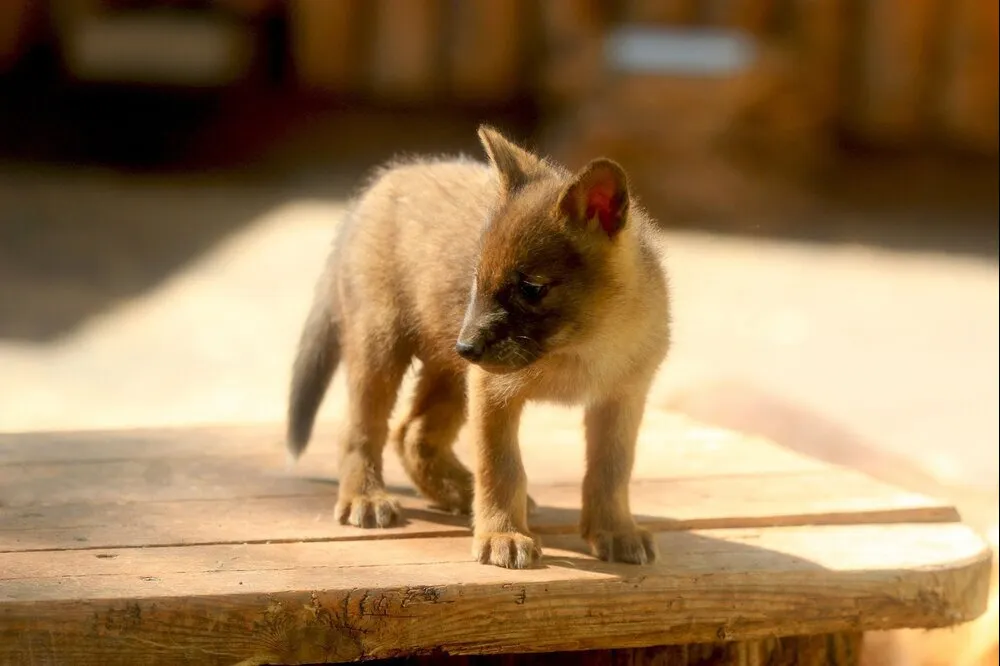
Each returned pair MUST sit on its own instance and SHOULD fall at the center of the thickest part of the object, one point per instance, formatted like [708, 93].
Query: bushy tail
[315, 362]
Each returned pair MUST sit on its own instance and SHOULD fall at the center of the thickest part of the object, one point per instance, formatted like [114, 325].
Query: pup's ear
[514, 165]
[597, 198]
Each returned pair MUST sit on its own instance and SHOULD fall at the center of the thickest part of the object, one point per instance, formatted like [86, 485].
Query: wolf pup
[510, 281]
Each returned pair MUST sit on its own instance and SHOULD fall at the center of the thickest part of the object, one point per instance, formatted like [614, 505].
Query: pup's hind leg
[425, 438]
[375, 369]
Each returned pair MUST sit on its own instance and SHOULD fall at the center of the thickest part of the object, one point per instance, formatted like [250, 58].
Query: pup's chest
[573, 380]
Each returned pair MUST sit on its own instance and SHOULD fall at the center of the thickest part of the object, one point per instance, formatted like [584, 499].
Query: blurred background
[825, 172]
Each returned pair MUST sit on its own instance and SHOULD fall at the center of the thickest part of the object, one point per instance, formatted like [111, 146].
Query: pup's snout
[470, 351]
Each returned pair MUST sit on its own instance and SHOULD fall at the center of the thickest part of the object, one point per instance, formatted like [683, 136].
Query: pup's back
[414, 235]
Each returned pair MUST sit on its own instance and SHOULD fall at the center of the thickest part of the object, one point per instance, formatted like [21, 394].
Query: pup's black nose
[470, 351]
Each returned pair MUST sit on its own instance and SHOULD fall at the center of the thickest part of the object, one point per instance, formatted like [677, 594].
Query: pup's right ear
[597, 198]
[514, 165]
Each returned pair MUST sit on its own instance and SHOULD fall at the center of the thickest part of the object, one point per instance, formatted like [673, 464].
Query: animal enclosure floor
[198, 546]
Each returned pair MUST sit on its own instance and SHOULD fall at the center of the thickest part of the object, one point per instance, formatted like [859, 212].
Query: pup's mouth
[498, 357]
[495, 368]
[513, 361]
[506, 363]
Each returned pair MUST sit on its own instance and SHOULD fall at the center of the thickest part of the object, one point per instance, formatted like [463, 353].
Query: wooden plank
[754, 16]
[573, 43]
[144, 481]
[248, 9]
[967, 98]
[486, 45]
[318, 602]
[662, 12]
[670, 446]
[218, 477]
[325, 43]
[139, 443]
[249, 462]
[15, 31]
[810, 498]
[820, 42]
[890, 74]
[406, 50]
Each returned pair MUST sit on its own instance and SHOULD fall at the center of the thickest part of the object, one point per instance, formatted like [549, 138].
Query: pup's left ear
[597, 198]
[514, 165]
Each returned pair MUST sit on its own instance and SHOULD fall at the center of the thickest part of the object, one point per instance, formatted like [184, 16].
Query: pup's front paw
[447, 484]
[438, 475]
[452, 497]
[634, 546]
[368, 510]
[511, 550]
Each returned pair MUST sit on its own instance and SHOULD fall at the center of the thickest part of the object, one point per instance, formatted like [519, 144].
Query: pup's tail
[315, 362]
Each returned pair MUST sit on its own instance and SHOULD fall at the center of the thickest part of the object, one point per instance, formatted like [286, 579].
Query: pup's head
[549, 258]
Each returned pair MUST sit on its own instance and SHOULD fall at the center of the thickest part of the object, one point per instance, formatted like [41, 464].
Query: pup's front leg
[500, 521]
[612, 427]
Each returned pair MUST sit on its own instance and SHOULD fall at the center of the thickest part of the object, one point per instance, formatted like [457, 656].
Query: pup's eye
[532, 292]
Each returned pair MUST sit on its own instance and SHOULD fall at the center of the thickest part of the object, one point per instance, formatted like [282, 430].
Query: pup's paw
[634, 546]
[511, 550]
[371, 510]
[453, 498]
[448, 487]
[441, 478]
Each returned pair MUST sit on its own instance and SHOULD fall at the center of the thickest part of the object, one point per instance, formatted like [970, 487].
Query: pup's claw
[510, 550]
[368, 511]
[635, 546]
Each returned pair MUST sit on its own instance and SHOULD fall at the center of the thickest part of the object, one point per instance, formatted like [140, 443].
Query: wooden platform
[197, 546]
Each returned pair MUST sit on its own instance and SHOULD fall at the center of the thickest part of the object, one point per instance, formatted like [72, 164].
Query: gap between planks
[834, 497]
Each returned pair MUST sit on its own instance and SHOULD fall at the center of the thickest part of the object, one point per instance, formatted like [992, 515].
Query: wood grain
[967, 96]
[179, 546]
[116, 516]
[325, 44]
[572, 40]
[822, 33]
[487, 43]
[215, 463]
[890, 73]
[15, 16]
[670, 445]
[664, 12]
[406, 54]
[301, 603]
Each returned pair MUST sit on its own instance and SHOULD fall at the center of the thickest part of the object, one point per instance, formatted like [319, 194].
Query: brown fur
[548, 282]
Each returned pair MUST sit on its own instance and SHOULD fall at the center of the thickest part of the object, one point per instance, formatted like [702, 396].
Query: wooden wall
[890, 73]
[902, 74]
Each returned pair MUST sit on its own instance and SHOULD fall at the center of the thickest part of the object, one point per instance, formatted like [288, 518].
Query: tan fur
[546, 282]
